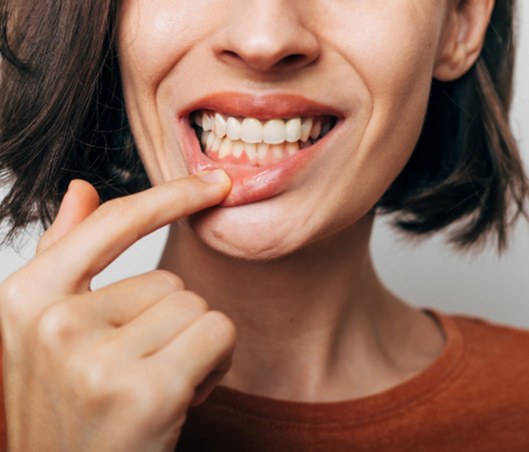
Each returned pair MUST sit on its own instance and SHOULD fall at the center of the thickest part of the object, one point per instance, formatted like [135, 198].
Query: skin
[293, 273]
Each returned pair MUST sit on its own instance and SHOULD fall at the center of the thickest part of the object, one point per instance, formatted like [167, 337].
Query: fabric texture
[474, 397]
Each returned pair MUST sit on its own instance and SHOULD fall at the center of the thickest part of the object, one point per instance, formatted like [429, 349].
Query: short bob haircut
[62, 116]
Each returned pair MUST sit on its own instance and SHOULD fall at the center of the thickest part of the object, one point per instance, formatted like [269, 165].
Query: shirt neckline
[422, 386]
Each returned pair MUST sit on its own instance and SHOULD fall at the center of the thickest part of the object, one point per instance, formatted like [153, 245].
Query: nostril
[230, 54]
[291, 60]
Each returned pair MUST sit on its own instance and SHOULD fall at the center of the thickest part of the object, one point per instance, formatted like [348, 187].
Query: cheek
[392, 47]
[153, 35]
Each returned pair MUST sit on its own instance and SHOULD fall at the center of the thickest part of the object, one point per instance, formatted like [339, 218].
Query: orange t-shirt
[474, 397]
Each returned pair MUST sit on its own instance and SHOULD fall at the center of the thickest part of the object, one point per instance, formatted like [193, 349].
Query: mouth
[249, 141]
[263, 142]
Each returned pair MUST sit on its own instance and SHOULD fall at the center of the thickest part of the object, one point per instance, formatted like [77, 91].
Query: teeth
[262, 151]
[234, 128]
[306, 128]
[259, 142]
[257, 154]
[221, 126]
[252, 131]
[225, 148]
[292, 148]
[204, 139]
[251, 150]
[238, 149]
[197, 119]
[293, 130]
[216, 144]
[277, 152]
[274, 131]
[316, 129]
[207, 122]
[210, 139]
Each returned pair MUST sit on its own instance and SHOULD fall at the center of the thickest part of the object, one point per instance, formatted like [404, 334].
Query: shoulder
[496, 358]
[494, 342]
[484, 395]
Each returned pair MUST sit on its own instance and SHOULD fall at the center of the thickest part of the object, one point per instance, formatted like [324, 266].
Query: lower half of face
[312, 109]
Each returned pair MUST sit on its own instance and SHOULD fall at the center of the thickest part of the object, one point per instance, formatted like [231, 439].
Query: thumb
[80, 200]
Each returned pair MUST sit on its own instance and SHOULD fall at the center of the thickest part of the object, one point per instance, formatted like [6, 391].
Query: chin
[248, 233]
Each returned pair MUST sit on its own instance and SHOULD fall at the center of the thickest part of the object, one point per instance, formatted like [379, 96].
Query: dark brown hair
[62, 117]
[466, 168]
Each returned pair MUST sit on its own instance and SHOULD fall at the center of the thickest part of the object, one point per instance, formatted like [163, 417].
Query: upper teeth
[252, 130]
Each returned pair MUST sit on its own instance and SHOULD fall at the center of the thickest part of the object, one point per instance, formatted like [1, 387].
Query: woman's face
[322, 103]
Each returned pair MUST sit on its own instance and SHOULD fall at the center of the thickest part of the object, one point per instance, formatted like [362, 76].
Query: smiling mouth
[252, 142]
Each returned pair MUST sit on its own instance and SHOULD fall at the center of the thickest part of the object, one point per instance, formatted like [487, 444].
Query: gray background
[428, 274]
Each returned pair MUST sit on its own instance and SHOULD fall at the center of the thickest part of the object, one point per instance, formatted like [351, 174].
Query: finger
[80, 200]
[119, 303]
[160, 324]
[117, 224]
[201, 349]
[204, 389]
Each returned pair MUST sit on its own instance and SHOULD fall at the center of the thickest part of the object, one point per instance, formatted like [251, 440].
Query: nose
[267, 35]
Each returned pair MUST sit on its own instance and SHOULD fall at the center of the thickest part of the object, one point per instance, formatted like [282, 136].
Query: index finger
[117, 224]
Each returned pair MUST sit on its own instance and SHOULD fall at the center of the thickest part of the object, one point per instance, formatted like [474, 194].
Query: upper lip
[261, 106]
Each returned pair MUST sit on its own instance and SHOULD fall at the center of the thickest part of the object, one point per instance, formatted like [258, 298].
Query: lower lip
[249, 184]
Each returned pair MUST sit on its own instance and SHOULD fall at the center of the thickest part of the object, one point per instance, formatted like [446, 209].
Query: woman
[320, 113]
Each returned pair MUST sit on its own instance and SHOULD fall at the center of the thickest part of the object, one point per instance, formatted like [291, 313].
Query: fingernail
[218, 176]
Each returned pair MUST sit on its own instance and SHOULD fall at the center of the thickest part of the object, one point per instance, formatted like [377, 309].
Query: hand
[117, 368]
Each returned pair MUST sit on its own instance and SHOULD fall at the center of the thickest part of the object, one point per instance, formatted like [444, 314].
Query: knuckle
[194, 301]
[15, 298]
[145, 398]
[167, 277]
[93, 383]
[13, 287]
[11, 291]
[220, 326]
[117, 211]
[56, 327]
[102, 381]
[116, 206]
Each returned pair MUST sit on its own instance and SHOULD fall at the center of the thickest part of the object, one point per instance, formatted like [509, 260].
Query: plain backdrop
[429, 274]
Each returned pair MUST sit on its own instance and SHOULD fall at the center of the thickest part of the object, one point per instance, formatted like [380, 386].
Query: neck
[313, 325]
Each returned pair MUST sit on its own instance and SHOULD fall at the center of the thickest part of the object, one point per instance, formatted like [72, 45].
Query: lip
[252, 184]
